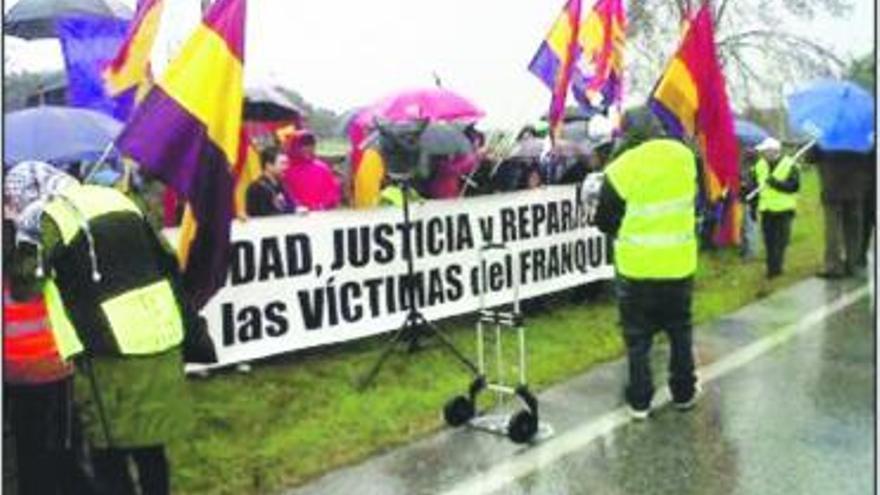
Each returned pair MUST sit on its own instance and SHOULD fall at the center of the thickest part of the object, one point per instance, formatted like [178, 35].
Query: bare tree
[758, 52]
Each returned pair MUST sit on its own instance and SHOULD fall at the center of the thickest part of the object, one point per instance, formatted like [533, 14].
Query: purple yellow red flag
[691, 100]
[246, 171]
[554, 61]
[130, 67]
[597, 81]
[187, 133]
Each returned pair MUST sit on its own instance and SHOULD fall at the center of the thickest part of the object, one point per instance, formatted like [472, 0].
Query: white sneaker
[638, 414]
[688, 404]
[201, 373]
[243, 368]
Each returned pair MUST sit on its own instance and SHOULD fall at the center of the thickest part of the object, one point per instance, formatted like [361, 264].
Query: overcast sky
[342, 53]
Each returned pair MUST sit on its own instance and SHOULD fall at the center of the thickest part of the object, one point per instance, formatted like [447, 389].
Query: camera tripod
[415, 327]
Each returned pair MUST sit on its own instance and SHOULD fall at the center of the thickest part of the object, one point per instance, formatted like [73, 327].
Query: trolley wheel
[458, 411]
[522, 426]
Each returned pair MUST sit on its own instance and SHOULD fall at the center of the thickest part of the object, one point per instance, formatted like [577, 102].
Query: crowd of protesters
[119, 430]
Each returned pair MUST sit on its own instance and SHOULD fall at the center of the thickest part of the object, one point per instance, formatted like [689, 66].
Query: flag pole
[796, 157]
[100, 163]
[506, 147]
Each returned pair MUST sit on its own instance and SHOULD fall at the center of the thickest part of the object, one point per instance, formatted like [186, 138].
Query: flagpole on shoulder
[803, 149]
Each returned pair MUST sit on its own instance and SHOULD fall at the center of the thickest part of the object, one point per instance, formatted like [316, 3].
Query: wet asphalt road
[787, 408]
[797, 420]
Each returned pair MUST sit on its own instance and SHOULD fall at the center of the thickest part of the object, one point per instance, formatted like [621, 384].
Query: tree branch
[792, 40]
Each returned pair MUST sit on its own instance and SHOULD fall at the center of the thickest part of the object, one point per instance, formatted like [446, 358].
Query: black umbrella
[437, 138]
[269, 104]
[445, 139]
[33, 19]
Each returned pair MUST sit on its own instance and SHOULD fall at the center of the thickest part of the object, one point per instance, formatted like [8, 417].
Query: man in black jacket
[267, 196]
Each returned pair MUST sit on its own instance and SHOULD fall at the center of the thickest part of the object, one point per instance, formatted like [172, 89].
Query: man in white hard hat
[778, 179]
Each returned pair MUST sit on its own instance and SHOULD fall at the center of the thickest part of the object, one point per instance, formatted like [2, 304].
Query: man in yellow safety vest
[778, 182]
[646, 202]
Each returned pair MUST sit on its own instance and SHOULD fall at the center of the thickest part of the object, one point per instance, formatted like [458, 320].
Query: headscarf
[28, 187]
[32, 181]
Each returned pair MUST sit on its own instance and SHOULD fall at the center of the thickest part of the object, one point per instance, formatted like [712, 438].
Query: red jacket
[30, 356]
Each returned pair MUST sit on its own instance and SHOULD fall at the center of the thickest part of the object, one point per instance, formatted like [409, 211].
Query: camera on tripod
[399, 145]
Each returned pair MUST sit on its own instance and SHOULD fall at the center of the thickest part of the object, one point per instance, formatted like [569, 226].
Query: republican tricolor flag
[187, 133]
[597, 81]
[131, 66]
[555, 59]
[691, 100]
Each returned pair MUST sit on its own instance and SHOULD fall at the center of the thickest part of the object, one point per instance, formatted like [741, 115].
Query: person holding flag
[778, 181]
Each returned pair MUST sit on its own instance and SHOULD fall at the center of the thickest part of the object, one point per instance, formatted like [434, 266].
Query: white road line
[501, 475]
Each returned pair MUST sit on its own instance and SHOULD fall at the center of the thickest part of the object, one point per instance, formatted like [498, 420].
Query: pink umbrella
[435, 104]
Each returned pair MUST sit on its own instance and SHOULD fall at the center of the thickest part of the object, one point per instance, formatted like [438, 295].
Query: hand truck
[523, 425]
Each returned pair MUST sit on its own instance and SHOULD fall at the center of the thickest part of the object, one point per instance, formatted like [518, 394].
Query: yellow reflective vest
[107, 274]
[771, 199]
[656, 239]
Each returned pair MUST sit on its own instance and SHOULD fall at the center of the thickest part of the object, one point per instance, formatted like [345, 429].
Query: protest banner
[301, 281]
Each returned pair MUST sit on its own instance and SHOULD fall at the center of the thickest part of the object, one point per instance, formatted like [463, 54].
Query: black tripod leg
[400, 335]
[368, 378]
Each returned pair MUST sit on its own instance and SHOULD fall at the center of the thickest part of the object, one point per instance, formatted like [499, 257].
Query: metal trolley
[520, 426]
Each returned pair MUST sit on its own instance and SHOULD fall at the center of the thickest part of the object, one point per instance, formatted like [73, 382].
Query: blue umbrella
[749, 133]
[56, 134]
[838, 114]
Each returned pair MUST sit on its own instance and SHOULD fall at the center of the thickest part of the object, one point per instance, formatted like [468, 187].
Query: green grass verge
[298, 416]
[333, 146]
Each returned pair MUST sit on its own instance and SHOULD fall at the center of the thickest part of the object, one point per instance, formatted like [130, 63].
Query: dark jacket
[845, 176]
[266, 197]
[610, 211]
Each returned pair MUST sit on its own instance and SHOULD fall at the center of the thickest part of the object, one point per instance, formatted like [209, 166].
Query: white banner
[302, 281]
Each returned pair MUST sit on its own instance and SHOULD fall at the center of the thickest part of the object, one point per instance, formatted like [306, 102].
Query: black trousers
[114, 476]
[869, 221]
[40, 420]
[776, 227]
[648, 306]
[50, 455]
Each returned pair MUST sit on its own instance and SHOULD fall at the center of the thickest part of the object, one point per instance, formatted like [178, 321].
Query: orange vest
[30, 356]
